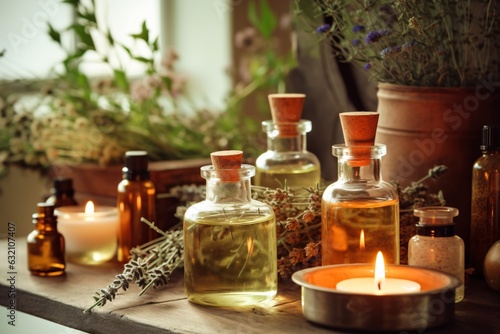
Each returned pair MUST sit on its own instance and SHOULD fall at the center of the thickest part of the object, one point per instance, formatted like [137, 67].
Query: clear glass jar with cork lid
[229, 239]
[360, 211]
[287, 160]
[436, 246]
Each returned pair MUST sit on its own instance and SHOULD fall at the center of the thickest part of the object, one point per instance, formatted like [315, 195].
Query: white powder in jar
[440, 253]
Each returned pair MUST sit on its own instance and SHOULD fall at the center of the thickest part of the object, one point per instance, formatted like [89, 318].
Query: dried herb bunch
[150, 265]
[298, 222]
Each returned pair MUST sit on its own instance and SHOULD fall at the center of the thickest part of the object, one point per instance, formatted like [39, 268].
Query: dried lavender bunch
[298, 223]
[150, 265]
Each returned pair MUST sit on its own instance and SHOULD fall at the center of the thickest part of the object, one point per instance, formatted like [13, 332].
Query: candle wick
[379, 285]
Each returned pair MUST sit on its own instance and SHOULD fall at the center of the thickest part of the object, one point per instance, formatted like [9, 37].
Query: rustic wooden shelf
[166, 310]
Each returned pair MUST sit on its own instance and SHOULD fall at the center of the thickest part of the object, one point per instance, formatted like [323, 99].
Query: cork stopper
[359, 128]
[285, 109]
[227, 164]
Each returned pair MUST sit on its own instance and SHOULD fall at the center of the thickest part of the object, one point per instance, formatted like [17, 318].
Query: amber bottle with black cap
[62, 192]
[45, 244]
[136, 200]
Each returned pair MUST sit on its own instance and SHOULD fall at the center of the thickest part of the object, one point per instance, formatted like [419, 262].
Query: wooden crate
[99, 184]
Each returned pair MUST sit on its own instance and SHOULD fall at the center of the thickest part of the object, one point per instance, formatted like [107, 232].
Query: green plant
[74, 118]
[417, 43]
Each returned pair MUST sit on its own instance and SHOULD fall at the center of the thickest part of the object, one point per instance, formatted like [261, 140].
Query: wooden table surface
[166, 310]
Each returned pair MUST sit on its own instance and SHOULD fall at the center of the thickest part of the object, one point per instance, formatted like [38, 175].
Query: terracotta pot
[427, 126]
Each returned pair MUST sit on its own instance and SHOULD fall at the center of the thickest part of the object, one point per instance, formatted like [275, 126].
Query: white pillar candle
[90, 233]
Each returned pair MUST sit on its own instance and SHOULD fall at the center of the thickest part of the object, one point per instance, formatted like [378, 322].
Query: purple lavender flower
[372, 37]
[375, 36]
[367, 66]
[355, 42]
[358, 28]
[323, 28]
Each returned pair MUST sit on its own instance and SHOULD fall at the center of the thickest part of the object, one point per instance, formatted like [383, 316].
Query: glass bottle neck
[229, 192]
[228, 185]
[359, 162]
[370, 171]
[287, 136]
[287, 144]
[46, 225]
[135, 175]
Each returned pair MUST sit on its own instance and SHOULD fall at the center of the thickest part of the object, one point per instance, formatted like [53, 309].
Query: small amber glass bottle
[230, 255]
[46, 244]
[62, 193]
[136, 200]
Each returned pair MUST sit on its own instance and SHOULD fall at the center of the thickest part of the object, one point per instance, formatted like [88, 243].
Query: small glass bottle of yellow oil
[287, 160]
[360, 211]
[229, 239]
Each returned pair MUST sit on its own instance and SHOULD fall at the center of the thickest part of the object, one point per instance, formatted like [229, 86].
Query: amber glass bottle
[485, 208]
[45, 244]
[136, 200]
[62, 193]
[360, 211]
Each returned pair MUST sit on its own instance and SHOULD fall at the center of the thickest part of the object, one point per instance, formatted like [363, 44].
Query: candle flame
[89, 208]
[362, 240]
[379, 271]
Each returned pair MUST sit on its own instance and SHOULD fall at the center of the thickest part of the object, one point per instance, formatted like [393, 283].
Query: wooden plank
[166, 310]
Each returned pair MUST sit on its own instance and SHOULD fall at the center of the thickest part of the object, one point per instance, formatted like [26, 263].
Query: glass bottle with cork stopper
[62, 193]
[436, 246]
[230, 255]
[136, 199]
[360, 211]
[45, 244]
[485, 209]
[287, 159]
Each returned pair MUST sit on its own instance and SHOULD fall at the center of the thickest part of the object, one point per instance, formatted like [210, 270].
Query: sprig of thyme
[150, 265]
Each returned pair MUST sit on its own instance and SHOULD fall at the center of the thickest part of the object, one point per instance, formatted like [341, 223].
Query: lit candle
[90, 233]
[378, 284]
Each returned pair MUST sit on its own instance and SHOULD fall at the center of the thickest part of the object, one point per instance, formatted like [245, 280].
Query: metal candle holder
[323, 304]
